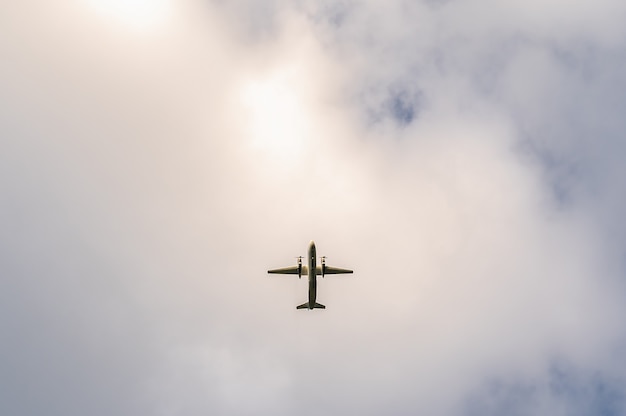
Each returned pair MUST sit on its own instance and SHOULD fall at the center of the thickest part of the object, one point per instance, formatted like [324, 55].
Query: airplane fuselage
[312, 274]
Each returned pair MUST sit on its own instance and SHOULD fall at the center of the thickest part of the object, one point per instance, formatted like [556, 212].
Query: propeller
[299, 266]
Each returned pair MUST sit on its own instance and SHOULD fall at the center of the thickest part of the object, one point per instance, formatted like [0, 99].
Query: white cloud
[462, 157]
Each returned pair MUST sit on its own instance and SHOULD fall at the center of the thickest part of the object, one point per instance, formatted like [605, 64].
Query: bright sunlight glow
[139, 14]
[276, 117]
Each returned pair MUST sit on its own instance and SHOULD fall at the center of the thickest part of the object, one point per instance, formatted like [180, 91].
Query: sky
[463, 157]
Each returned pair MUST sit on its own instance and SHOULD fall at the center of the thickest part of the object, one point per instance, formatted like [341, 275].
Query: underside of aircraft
[312, 270]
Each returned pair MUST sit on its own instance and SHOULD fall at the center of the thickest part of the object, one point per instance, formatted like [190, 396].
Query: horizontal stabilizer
[306, 306]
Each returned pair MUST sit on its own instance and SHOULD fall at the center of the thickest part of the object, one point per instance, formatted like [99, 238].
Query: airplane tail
[306, 306]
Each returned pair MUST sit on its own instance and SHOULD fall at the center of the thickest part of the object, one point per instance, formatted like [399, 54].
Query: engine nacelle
[323, 265]
[299, 267]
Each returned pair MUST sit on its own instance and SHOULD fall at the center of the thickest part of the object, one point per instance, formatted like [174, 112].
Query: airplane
[312, 271]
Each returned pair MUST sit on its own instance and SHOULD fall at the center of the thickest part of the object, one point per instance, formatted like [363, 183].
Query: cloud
[563, 390]
[461, 157]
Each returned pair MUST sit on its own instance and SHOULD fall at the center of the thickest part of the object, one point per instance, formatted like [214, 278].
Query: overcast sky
[464, 157]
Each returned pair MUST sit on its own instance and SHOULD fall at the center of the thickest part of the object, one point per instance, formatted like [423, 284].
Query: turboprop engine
[299, 267]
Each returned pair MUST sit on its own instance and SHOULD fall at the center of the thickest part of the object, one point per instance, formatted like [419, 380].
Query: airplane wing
[331, 270]
[290, 270]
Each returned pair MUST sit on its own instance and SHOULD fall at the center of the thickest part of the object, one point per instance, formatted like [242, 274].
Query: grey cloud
[563, 390]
